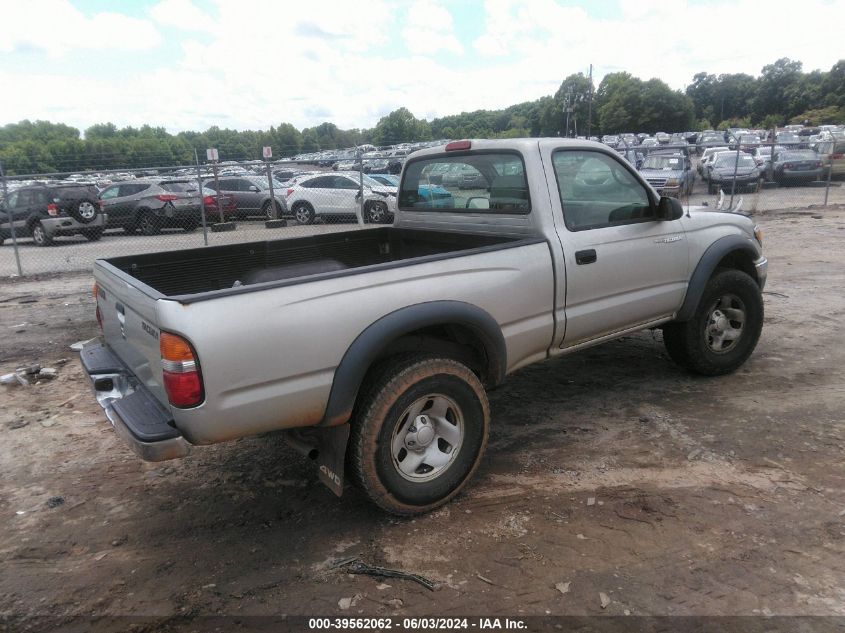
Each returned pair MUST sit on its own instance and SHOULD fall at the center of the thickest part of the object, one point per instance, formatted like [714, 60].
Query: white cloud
[182, 14]
[57, 27]
[429, 29]
[249, 66]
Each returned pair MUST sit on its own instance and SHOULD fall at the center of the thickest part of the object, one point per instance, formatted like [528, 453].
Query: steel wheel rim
[87, 210]
[268, 210]
[302, 215]
[376, 213]
[725, 324]
[427, 438]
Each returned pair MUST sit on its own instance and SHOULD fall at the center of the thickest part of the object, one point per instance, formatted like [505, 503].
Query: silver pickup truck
[373, 349]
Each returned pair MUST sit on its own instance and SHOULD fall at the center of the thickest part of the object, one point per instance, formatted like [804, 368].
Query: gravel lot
[609, 471]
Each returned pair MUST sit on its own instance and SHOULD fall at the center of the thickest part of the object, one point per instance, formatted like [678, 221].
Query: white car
[337, 194]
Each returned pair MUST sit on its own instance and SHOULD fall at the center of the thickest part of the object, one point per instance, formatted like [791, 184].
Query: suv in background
[149, 205]
[251, 194]
[44, 212]
[670, 173]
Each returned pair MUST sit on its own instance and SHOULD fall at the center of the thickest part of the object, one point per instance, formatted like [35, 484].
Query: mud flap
[327, 447]
[331, 461]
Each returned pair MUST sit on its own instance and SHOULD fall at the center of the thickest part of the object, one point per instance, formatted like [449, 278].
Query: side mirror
[669, 209]
[254, 189]
[478, 202]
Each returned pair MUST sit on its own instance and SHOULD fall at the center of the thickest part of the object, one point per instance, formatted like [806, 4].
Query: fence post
[202, 199]
[829, 173]
[736, 166]
[361, 187]
[11, 219]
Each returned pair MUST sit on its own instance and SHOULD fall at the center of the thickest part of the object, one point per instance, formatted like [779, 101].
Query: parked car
[45, 212]
[417, 321]
[251, 194]
[149, 206]
[436, 195]
[762, 156]
[732, 171]
[338, 194]
[669, 174]
[707, 156]
[790, 166]
[832, 156]
[788, 140]
[747, 143]
[662, 138]
[707, 140]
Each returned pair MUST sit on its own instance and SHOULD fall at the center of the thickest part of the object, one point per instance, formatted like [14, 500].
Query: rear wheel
[267, 210]
[148, 223]
[418, 433]
[40, 236]
[725, 328]
[376, 212]
[303, 213]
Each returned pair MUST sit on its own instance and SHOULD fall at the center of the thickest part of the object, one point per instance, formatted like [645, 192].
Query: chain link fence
[51, 223]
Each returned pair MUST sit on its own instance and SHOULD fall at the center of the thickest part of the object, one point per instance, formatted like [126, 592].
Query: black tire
[190, 226]
[130, 229]
[376, 212]
[148, 223]
[93, 234]
[303, 213]
[378, 417]
[85, 211]
[711, 188]
[40, 236]
[267, 210]
[692, 344]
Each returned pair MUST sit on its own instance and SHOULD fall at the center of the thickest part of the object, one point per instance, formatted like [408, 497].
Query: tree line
[782, 93]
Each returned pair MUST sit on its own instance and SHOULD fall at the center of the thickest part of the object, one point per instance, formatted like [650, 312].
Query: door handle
[585, 257]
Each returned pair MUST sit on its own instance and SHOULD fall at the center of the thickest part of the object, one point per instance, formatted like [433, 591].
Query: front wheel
[724, 330]
[418, 434]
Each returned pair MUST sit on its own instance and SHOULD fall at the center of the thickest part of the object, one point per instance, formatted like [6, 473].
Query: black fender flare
[366, 348]
[715, 253]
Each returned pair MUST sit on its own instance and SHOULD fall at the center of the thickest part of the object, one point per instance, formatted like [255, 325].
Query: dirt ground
[608, 472]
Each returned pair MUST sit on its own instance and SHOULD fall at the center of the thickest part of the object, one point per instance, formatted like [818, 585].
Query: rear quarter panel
[268, 357]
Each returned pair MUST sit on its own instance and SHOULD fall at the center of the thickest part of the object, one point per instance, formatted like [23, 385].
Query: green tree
[400, 126]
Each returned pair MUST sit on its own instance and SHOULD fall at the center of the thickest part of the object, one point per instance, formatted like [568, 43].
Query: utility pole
[590, 105]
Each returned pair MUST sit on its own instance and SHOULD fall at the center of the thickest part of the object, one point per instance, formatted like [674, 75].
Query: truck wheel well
[454, 341]
[737, 260]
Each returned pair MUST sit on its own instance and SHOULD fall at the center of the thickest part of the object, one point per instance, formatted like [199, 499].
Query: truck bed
[196, 274]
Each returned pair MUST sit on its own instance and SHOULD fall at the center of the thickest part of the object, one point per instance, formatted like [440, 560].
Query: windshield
[787, 137]
[725, 160]
[749, 139]
[663, 162]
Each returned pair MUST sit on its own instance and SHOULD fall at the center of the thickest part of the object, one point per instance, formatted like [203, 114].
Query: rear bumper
[66, 225]
[141, 420]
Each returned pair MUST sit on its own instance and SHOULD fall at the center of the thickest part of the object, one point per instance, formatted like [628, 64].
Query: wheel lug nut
[411, 443]
[413, 429]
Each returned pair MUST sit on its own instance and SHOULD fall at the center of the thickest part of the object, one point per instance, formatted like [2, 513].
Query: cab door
[624, 266]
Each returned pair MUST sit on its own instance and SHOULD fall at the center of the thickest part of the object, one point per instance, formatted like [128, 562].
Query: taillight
[52, 209]
[180, 370]
[208, 201]
[788, 165]
[167, 197]
[836, 156]
[290, 191]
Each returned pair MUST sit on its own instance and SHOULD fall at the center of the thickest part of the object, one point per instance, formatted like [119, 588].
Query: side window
[341, 182]
[109, 193]
[323, 182]
[24, 198]
[597, 191]
[13, 199]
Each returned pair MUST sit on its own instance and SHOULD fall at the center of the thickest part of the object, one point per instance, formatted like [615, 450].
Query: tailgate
[130, 327]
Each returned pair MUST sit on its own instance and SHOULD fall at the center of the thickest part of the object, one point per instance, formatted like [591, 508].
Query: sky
[250, 64]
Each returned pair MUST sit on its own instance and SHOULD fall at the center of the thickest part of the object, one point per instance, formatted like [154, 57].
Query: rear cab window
[480, 182]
